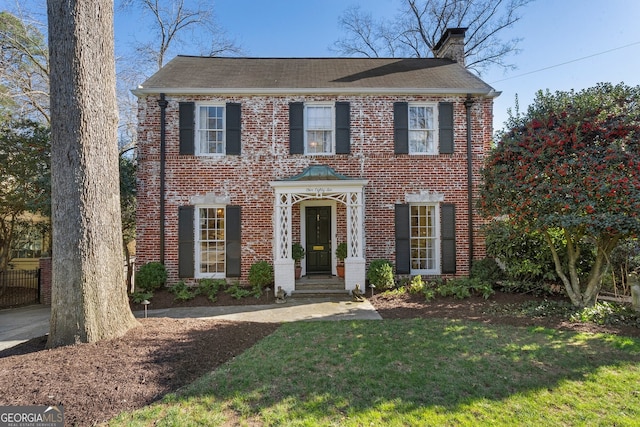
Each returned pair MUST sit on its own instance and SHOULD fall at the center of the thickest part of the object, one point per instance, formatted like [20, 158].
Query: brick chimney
[451, 45]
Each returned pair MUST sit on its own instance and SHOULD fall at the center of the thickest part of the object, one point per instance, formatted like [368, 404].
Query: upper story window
[319, 129]
[210, 129]
[422, 129]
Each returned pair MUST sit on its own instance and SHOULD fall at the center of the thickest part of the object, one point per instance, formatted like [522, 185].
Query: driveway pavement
[21, 324]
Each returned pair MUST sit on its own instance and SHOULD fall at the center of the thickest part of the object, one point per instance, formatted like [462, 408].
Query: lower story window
[424, 239]
[210, 245]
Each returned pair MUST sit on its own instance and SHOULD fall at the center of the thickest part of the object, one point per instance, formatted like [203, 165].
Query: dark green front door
[318, 236]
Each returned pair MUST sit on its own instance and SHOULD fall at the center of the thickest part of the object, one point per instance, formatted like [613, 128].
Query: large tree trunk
[89, 296]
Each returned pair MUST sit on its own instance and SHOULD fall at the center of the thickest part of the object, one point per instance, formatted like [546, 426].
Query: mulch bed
[95, 382]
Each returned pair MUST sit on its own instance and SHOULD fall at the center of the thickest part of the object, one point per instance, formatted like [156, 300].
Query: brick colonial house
[239, 158]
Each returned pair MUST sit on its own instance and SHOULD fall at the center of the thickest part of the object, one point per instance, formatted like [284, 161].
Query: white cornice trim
[143, 92]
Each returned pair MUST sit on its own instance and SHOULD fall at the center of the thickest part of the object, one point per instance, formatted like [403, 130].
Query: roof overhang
[483, 92]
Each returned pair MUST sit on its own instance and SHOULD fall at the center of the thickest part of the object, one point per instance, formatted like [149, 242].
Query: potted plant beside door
[297, 253]
[341, 254]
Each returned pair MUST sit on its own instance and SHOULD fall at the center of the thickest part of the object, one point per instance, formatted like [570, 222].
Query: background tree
[171, 26]
[89, 297]
[24, 69]
[421, 24]
[572, 162]
[24, 179]
[128, 209]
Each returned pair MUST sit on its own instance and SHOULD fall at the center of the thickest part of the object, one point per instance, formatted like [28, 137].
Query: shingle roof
[197, 74]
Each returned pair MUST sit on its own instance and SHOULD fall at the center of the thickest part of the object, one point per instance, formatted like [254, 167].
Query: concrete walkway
[21, 324]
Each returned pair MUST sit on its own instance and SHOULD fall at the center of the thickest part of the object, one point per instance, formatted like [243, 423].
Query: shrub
[380, 274]
[486, 270]
[261, 274]
[182, 291]
[417, 285]
[341, 251]
[464, 287]
[297, 252]
[607, 313]
[151, 277]
[138, 296]
[236, 291]
[211, 287]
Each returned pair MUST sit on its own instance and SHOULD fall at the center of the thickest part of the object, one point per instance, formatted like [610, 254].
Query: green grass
[414, 372]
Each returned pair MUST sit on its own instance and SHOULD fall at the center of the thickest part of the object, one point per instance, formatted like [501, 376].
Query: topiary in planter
[151, 277]
[380, 274]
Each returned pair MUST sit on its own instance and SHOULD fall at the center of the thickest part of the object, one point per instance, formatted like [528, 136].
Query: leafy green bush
[211, 287]
[341, 251]
[297, 252]
[151, 277]
[417, 285]
[380, 274]
[139, 296]
[486, 270]
[236, 291]
[464, 287]
[182, 291]
[607, 313]
[261, 274]
[526, 256]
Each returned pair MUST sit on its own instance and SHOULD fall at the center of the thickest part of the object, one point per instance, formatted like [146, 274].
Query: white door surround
[330, 189]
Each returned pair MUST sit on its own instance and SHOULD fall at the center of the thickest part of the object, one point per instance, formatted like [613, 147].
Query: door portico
[319, 185]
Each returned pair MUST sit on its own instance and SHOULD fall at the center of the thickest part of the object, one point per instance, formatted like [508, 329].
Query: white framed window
[423, 128]
[210, 125]
[319, 128]
[424, 223]
[210, 241]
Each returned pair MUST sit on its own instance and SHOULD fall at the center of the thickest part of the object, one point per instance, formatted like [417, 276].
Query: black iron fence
[19, 287]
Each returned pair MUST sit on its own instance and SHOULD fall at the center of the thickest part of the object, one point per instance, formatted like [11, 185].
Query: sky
[566, 44]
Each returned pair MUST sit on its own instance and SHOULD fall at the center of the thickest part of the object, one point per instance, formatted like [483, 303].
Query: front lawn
[414, 372]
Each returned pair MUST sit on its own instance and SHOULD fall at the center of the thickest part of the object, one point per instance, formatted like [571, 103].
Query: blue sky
[554, 32]
[567, 44]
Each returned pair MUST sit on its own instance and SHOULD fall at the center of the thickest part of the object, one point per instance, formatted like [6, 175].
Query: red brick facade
[244, 180]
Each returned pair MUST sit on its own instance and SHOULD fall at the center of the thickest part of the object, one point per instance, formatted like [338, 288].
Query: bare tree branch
[418, 27]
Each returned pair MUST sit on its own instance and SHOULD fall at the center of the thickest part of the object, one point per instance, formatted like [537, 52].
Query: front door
[318, 239]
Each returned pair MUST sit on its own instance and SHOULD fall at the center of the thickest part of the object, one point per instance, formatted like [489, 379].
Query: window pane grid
[211, 129]
[212, 240]
[421, 129]
[319, 129]
[423, 238]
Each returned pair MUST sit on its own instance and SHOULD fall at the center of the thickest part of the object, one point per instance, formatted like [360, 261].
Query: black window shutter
[233, 129]
[401, 127]
[343, 128]
[187, 141]
[296, 128]
[233, 241]
[445, 131]
[403, 244]
[186, 247]
[448, 238]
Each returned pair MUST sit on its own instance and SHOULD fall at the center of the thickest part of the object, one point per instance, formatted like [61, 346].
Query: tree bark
[89, 296]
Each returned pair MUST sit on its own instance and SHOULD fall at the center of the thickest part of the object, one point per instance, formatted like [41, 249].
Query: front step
[319, 286]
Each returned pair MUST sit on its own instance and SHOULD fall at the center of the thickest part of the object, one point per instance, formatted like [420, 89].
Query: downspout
[162, 103]
[468, 103]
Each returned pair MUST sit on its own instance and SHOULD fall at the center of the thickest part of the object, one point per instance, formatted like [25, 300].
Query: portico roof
[318, 173]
